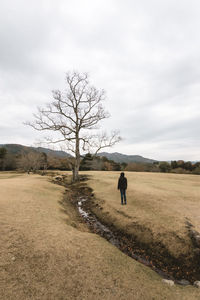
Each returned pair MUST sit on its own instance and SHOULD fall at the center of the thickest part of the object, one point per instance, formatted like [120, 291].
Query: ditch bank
[184, 270]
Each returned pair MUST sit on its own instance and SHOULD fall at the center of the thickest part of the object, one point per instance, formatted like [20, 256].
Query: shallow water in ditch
[97, 227]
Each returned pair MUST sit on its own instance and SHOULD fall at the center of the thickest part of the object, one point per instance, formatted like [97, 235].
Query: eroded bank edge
[183, 270]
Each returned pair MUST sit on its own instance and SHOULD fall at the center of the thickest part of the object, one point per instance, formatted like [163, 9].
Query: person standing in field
[122, 186]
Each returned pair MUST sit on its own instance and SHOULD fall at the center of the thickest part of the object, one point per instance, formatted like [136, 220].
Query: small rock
[59, 178]
[169, 282]
[197, 284]
[13, 258]
[184, 282]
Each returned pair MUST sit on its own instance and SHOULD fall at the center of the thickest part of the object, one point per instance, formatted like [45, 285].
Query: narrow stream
[97, 227]
[184, 271]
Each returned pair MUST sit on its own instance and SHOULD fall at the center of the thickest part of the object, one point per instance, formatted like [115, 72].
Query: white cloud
[145, 54]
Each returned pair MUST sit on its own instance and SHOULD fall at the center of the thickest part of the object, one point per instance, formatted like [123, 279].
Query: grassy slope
[161, 202]
[55, 260]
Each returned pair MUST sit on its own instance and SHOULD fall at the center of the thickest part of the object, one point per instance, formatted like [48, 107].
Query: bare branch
[72, 113]
[94, 143]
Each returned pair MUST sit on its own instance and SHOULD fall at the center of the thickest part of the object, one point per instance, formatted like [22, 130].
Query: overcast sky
[144, 53]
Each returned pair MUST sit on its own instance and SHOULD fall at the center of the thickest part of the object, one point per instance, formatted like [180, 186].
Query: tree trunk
[75, 172]
[77, 161]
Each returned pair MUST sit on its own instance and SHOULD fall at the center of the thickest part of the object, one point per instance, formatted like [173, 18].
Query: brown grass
[43, 256]
[160, 202]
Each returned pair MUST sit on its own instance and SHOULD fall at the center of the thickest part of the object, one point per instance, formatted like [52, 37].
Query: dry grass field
[46, 252]
[161, 203]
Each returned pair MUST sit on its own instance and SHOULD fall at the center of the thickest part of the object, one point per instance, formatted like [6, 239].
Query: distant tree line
[7, 160]
[179, 167]
[34, 161]
[90, 162]
[31, 161]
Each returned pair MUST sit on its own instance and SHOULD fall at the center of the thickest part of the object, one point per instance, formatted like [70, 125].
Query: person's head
[122, 174]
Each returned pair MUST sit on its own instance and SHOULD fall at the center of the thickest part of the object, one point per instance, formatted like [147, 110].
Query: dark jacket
[122, 182]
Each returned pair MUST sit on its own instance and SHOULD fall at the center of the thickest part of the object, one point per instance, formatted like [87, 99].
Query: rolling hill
[120, 158]
[17, 149]
[117, 157]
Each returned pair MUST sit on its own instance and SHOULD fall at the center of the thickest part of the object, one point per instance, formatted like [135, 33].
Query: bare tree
[44, 162]
[31, 161]
[73, 114]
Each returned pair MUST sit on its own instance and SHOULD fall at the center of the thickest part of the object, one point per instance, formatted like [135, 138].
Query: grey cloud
[144, 53]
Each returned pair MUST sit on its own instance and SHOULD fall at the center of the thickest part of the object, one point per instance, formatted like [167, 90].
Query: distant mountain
[117, 157]
[120, 158]
[17, 149]
[57, 153]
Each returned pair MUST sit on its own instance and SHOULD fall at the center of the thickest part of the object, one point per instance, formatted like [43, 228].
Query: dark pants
[123, 196]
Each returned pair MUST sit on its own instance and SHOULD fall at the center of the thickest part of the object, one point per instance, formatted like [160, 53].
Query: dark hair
[122, 174]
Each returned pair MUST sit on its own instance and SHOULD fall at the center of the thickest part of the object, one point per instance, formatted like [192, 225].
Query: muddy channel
[184, 270]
